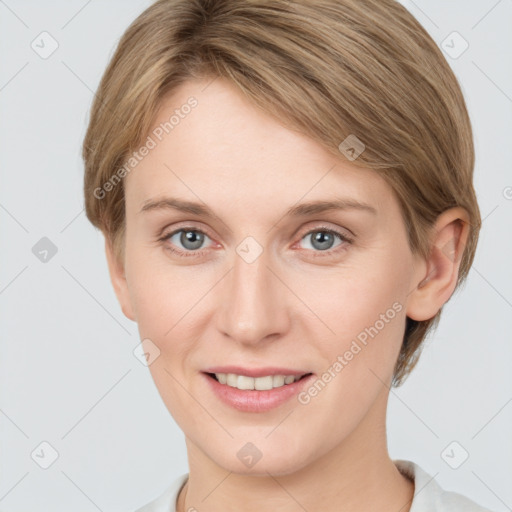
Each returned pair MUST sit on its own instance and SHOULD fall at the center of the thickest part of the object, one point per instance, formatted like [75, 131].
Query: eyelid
[166, 233]
[323, 226]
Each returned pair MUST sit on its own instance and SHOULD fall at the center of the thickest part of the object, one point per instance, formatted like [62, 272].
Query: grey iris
[193, 238]
[323, 239]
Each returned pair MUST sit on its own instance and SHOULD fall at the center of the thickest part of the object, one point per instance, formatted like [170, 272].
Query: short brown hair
[328, 68]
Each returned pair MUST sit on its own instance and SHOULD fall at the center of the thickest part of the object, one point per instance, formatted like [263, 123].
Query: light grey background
[67, 372]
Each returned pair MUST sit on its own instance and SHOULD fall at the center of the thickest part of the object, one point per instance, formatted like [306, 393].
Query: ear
[118, 279]
[437, 283]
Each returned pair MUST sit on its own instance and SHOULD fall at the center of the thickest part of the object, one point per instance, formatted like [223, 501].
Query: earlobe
[118, 280]
[437, 284]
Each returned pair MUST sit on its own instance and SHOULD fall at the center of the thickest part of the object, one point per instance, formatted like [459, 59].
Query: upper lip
[255, 372]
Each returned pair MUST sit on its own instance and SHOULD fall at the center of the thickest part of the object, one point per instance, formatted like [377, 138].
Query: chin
[247, 459]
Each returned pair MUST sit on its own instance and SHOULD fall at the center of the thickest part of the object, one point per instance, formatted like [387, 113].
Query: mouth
[267, 389]
[263, 383]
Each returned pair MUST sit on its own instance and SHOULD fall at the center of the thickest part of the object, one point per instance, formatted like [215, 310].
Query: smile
[243, 382]
[256, 394]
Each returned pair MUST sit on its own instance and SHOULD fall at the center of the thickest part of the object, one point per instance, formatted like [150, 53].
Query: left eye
[323, 239]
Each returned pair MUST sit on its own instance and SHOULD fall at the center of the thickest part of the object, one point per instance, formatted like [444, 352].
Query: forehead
[210, 143]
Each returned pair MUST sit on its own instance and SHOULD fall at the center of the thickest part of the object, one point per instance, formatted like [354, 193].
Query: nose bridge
[253, 303]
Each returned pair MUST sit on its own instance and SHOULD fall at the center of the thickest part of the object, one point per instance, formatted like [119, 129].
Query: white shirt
[428, 495]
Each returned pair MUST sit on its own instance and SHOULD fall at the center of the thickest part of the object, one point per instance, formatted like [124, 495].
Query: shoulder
[166, 502]
[430, 496]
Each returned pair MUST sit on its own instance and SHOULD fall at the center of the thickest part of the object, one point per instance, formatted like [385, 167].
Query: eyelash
[343, 237]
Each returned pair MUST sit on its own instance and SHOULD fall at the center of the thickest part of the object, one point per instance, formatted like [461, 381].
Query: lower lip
[253, 400]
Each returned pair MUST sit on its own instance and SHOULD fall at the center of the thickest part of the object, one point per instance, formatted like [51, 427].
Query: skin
[287, 308]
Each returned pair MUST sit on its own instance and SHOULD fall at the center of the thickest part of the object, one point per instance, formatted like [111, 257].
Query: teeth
[259, 383]
[278, 380]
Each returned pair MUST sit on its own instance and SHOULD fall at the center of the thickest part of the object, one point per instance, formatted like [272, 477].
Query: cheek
[367, 318]
[355, 298]
[363, 308]
[163, 298]
[161, 293]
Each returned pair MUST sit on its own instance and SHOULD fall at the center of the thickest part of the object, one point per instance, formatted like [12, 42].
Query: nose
[253, 302]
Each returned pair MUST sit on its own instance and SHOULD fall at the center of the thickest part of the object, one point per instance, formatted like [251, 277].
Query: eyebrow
[303, 209]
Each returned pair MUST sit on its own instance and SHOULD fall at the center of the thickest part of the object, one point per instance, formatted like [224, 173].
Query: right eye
[189, 238]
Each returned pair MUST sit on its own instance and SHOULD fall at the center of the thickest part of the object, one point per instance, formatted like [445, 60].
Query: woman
[285, 190]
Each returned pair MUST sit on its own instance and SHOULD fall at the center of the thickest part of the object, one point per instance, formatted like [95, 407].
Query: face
[262, 282]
